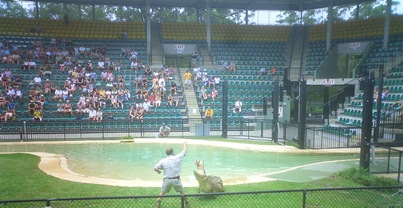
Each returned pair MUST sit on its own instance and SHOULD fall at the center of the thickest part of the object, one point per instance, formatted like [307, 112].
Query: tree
[373, 9]
[288, 18]
[10, 8]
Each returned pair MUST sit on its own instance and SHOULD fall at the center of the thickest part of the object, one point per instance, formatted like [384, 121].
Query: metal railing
[84, 129]
[330, 197]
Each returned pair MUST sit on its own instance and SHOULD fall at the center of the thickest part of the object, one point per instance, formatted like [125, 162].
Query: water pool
[135, 161]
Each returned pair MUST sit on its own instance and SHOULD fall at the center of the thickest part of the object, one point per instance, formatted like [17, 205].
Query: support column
[208, 25]
[224, 121]
[274, 103]
[387, 24]
[302, 114]
[148, 32]
[366, 128]
[247, 17]
[329, 27]
[36, 9]
[326, 104]
[379, 102]
[80, 12]
[93, 12]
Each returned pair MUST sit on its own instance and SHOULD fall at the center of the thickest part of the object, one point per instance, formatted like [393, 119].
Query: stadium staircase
[296, 43]
[156, 46]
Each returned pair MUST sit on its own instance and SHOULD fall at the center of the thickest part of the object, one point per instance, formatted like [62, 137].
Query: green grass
[27, 181]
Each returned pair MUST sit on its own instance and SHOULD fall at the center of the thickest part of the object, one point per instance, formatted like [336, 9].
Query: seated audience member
[68, 108]
[176, 99]
[32, 107]
[37, 115]
[272, 71]
[262, 71]
[231, 66]
[92, 114]
[99, 116]
[214, 93]
[9, 115]
[238, 106]
[209, 113]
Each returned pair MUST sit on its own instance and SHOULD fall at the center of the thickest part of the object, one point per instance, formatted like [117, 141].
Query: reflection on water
[129, 161]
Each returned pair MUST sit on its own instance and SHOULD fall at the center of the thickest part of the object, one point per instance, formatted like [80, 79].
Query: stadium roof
[297, 5]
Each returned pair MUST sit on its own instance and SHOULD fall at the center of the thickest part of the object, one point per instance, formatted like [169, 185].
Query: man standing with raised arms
[171, 165]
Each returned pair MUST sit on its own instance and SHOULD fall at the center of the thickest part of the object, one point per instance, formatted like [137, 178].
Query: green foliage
[10, 8]
[364, 177]
[128, 137]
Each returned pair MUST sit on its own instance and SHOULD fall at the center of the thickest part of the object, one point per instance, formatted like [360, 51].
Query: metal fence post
[261, 129]
[303, 198]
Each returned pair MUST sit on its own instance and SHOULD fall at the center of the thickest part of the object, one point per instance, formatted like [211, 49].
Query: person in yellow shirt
[187, 77]
[209, 113]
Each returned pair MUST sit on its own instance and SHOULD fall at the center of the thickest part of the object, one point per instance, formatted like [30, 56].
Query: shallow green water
[136, 161]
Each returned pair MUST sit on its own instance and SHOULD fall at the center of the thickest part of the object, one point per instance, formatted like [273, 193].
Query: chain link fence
[335, 197]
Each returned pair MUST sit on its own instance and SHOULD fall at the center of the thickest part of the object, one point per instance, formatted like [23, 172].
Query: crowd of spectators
[89, 88]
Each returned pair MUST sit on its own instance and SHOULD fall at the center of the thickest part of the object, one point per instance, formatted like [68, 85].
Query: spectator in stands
[187, 76]
[238, 106]
[38, 116]
[139, 113]
[2, 100]
[134, 65]
[31, 107]
[194, 55]
[146, 106]
[68, 108]
[47, 87]
[18, 93]
[32, 64]
[132, 112]
[114, 101]
[133, 55]
[148, 70]
[164, 131]
[225, 65]
[209, 113]
[99, 116]
[173, 87]
[214, 94]
[217, 81]
[157, 100]
[176, 99]
[211, 81]
[37, 81]
[272, 71]
[101, 64]
[17, 81]
[203, 93]
[121, 82]
[92, 114]
[262, 71]
[25, 65]
[8, 115]
[58, 94]
[170, 100]
[232, 67]
[11, 93]
[385, 93]
[120, 100]
[4, 80]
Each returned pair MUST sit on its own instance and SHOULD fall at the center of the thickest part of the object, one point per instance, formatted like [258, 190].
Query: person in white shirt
[238, 106]
[37, 80]
[146, 106]
[99, 115]
[101, 64]
[217, 81]
[92, 114]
